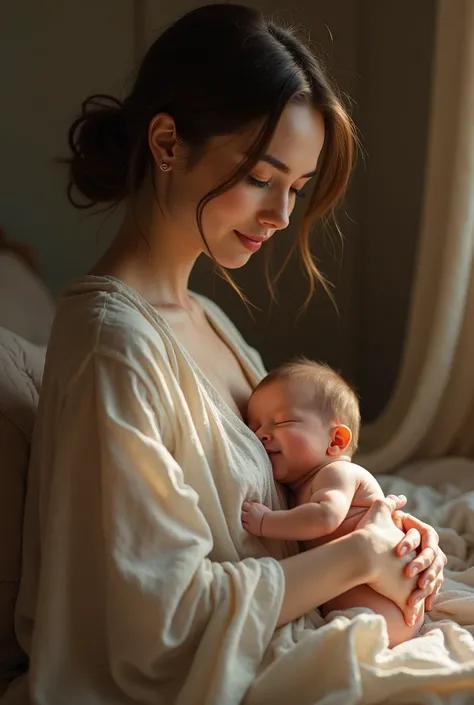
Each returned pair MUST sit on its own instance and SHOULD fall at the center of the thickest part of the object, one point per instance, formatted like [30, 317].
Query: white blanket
[441, 492]
[138, 577]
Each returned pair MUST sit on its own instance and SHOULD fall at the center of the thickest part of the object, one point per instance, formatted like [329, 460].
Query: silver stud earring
[164, 166]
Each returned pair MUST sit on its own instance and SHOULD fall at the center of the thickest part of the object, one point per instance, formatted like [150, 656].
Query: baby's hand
[253, 514]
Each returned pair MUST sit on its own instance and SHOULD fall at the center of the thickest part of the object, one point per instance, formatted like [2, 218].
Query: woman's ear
[340, 440]
[163, 139]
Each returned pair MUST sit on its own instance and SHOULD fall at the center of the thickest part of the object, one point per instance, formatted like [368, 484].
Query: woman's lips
[252, 244]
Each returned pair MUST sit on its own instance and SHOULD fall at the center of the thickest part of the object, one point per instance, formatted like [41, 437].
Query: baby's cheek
[298, 448]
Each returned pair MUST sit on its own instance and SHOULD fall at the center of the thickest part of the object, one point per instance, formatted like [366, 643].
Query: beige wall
[54, 53]
[395, 58]
[57, 52]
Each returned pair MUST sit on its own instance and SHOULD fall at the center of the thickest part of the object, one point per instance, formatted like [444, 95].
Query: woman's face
[238, 223]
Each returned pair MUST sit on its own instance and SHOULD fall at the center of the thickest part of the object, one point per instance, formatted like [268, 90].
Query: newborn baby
[308, 419]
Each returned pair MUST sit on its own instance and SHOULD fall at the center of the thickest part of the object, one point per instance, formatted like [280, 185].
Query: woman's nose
[276, 217]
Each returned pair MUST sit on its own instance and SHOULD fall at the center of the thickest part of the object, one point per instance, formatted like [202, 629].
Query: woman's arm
[318, 575]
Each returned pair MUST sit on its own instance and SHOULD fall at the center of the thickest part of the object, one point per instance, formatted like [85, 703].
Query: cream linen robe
[139, 584]
[138, 578]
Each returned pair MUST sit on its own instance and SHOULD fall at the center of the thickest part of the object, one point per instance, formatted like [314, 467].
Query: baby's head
[305, 414]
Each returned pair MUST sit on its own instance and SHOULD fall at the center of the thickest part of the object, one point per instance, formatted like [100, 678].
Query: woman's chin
[235, 262]
[232, 261]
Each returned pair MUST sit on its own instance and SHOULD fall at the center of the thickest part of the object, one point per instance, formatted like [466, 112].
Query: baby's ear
[340, 440]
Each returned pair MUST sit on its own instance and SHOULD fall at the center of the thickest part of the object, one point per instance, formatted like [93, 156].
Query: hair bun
[99, 162]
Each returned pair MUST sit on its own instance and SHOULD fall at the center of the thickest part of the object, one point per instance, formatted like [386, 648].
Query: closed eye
[298, 192]
[263, 184]
[283, 423]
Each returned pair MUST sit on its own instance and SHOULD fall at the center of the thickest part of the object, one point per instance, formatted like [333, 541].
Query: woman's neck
[149, 257]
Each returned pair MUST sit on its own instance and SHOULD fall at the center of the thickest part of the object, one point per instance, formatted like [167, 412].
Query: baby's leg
[364, 596]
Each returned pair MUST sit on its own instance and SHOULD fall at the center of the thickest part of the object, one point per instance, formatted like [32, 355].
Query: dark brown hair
[217, 70]
[334, 398]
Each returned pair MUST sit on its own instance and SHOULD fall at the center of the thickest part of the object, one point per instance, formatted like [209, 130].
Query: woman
[139, 584]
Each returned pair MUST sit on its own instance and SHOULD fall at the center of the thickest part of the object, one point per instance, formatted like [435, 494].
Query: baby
[308, 419]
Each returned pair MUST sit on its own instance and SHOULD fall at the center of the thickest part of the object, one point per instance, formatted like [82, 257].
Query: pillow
[21, 370]
[26, 305]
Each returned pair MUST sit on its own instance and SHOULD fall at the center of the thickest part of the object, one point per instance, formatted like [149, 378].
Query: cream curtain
[431, 413]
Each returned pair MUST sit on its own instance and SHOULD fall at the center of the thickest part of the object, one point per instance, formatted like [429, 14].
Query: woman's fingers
[430, 600]
[410, 542]
[421, 563]
[431, 560]
[418, 595]
[434, 570]
[429, 591]
[412, 613]
[429, 537]
[429, 564]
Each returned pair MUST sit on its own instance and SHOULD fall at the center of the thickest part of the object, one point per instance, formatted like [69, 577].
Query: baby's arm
[333, 489]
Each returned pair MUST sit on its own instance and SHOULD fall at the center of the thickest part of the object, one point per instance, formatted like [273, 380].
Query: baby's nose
[264, 435]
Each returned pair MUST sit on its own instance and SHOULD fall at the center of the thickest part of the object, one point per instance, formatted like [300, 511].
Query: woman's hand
[429, 563]
[387, 566]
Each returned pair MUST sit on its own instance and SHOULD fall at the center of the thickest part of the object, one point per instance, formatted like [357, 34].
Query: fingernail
[425, 583]
[403, 550]
[414, 570]
[417, 600]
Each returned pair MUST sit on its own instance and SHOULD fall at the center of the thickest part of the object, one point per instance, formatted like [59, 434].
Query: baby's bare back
[367, 489]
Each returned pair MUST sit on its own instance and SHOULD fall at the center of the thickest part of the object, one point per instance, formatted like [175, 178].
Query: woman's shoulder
[98, 316]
